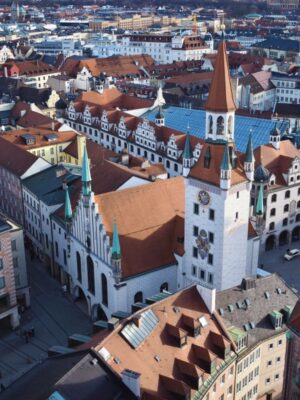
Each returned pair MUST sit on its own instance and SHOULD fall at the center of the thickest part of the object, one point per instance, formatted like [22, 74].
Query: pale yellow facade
[272, 369]
[54, 154]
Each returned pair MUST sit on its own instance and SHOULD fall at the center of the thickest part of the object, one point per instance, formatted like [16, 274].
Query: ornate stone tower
[217, 194]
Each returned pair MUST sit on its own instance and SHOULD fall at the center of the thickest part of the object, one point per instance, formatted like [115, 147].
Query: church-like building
[125, 246]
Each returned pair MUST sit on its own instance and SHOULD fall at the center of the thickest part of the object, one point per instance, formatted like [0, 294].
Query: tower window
[273, 198]
[287, 194]
[273, 212]
[211, 237]
[220, 126]
[195, 252]
[210, 259]
[195, 230]
[196, 208]
[211, 214]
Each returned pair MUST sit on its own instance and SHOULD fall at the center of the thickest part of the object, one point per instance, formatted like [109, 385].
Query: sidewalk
[53, 316]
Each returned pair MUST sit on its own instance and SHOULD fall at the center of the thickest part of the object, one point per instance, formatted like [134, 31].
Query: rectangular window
[13, 245]
[194, 270]
[195, 252]
[15, 262]
[196, 208]
[210, 259]
[1, 263]
[268, 381]
[56, 249]
[2, 282]
[211, 237]
[195, 231]
[211, 214]
[65, 257]
[202, 274]
[210, 278]
[271, 346]
[237, 195]
[276, 377]
[236, 216]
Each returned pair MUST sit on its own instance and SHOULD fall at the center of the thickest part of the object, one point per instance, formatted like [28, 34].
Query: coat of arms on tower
[203, 244]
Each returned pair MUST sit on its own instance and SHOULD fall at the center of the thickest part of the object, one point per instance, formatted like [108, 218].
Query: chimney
[113, 323]
[132, 380]
[248, 283]
[80, 141]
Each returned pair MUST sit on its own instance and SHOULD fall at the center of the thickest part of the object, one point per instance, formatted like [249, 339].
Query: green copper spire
[249, 157]
[187, 152]
[226, 164]
[86, 174]
[116, 249]
[68, 207]
[260, 201]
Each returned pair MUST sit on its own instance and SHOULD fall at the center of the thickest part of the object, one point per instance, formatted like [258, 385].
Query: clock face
[204, 197]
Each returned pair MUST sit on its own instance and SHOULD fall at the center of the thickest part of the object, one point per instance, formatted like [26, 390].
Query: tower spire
[86, 174]
[260, 201]
[249, 159]
[116, 249]
[68, 207]
[116, 254]
[220, 97]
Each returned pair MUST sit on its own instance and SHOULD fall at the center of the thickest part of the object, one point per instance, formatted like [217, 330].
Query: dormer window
[276, 319]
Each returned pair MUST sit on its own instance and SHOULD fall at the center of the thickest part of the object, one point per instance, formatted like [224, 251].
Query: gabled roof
[166, 369]
[263, 298]
[220, 97]
[211, 173]
[14, 159]
[148, 218]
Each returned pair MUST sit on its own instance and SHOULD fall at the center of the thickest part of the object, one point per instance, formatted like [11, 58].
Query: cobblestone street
[53, 316]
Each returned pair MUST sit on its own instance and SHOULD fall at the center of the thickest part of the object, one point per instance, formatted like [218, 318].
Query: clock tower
[217, 195]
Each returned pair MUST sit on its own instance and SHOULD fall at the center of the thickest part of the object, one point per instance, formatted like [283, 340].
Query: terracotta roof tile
[212, 173]
[220, 95]
[146, 226]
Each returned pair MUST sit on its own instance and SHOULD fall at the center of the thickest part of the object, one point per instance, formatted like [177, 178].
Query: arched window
[78, 261]
[91, 275]
[297, 217]
[164, 286]
[285, 222]
[230, 127]
[287, 194]
[210, 124]
[273, 198]
[286, 208]
[298, 204]
[273, 212]
[138, 297]
[220, 126]
[271, 226]
[104, 290]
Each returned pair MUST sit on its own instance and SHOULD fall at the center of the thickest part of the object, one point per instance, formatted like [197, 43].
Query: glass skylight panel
[134, 334]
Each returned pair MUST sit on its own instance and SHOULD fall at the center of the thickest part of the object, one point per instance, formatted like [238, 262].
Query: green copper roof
[68, 207]
[249, 157]
[86, 174]
[236, 333]
[187, 152]
[226, 164]
[116, 249]
[260, 201]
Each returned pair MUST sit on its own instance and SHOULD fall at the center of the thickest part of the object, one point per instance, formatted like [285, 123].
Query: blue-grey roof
[48, 187]
[279, 44]
[179, 118]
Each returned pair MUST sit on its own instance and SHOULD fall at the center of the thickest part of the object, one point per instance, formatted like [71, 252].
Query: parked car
[290, 254]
